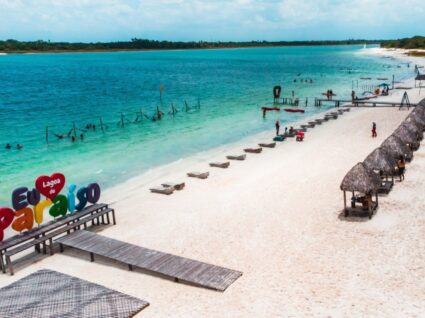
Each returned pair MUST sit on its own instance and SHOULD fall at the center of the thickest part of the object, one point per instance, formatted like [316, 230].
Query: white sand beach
[277, 218]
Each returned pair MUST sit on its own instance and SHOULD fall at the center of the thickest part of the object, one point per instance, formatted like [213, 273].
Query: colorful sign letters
[21, 216]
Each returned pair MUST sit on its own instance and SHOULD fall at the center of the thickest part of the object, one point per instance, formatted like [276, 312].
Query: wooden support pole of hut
[101, 124]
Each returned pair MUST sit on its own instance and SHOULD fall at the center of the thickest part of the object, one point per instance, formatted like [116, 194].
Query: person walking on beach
[277, 125]
[374, 134]
[353, 95]
[401, 165]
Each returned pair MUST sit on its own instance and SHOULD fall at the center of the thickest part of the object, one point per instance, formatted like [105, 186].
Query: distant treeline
[416, 42]
[14, 46]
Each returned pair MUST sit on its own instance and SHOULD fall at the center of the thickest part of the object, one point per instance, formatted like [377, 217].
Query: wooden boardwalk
[176, 267]
[48, 293]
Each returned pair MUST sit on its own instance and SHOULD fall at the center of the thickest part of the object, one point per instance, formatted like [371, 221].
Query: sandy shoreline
[276, 218]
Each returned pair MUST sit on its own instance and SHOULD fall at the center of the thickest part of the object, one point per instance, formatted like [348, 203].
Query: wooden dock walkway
[176, 267]
[361, 103]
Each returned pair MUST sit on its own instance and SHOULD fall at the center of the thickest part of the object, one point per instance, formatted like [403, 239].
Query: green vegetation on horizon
[14, 46]
[416, 42]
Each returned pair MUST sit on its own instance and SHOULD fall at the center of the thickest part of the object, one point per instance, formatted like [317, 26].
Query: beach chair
[253, 150]
[319, 121]
[267, 145]
[386, 186]
[223, 165]
[199, 175]
[162, 190]
[279, 138]
[176, 186]
[240, 157]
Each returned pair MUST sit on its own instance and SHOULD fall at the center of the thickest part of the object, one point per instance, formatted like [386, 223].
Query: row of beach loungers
[375, 175]
[169, 188]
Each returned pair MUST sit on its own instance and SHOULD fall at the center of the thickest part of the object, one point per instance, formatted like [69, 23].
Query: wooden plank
[177, 267]
[48, 293]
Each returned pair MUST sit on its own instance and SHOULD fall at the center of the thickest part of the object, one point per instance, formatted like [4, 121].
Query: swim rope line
[76, 133]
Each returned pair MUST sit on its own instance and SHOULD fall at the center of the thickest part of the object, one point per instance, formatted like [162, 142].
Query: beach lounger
[289, 135]
[267, 145]
[240, 157]
[311, 124]
[223, 165]
[162, 190]
[199, 175]
[253, 150]
[279, 138]
[305, 126]
[319, 121]
[176, 186]
[386, 186]
[303, 129]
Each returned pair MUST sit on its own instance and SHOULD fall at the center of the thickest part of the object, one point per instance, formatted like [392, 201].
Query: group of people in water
[329, 94]
[18, 146]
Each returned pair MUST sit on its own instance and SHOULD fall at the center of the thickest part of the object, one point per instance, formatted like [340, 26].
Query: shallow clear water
[56, 90]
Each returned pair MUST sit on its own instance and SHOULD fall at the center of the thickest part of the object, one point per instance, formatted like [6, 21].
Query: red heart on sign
[51, 186]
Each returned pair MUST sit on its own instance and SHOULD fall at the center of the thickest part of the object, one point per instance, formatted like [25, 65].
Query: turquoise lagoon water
[56, 90]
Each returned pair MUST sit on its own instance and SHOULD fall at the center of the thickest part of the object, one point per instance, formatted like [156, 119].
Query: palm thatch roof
[417, 120]
[380, 159]
[413, 128]
[396, 147]
[405, 134]
[361, 179]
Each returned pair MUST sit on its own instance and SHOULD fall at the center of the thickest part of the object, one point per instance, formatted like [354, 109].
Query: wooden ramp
[176, 267]
[48, 293]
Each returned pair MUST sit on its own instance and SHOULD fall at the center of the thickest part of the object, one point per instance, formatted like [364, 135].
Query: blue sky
[210, 20]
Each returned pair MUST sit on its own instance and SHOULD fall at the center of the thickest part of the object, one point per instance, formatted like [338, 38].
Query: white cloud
[209, 19]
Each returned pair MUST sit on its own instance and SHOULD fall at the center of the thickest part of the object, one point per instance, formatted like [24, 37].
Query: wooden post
[186, 106]
[345, 201]
[47, 135]
[75, 130]
[101, 124]
[199, 103]
[122, 120]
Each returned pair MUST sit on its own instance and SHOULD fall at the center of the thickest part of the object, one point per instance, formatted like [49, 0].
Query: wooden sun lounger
[278, 138]
[199, 175]
[359, 211]
[267, 145]
[301, 129]
[386, 186]
[223, 165]
[240, 157]
[253, 150]
[176, 186]
[319, 121]
[172, 266]
[162, 190]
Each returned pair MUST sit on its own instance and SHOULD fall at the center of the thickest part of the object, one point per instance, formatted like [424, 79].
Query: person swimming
[8, 146]
[19, 146]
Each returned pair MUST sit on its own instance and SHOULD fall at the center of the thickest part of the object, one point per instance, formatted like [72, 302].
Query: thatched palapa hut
[414, 128]
[364, 181]
[417, 121]
[397, 148]
[382, 163]
[407, 136]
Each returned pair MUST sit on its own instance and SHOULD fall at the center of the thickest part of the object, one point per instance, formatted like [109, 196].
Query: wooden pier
[176, 267]
[361, 103]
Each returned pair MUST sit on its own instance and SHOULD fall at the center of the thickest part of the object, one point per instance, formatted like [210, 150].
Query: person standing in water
[277, 125]
[374, 134]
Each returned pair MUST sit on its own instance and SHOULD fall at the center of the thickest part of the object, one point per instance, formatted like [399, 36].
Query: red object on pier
[270, 108]
[294, 110]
